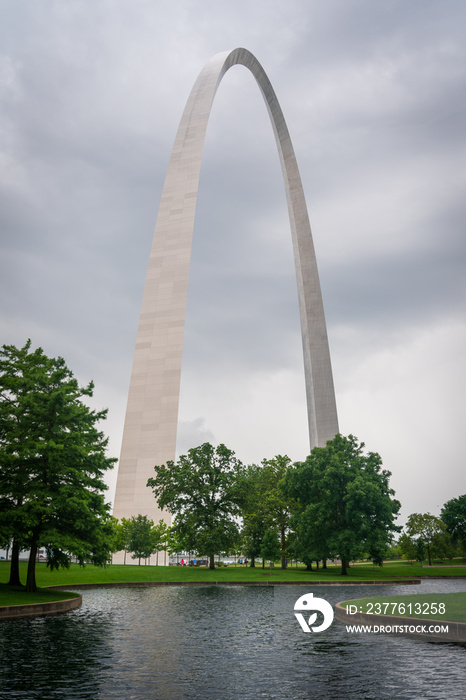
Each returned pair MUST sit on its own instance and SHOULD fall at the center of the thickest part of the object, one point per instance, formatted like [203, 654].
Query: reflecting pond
[220, 642]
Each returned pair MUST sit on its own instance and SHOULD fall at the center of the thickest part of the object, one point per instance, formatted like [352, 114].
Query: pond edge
[55, 606]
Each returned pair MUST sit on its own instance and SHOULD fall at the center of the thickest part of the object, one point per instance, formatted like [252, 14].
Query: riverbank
[132, 575]
[177, 574]
[119, 572]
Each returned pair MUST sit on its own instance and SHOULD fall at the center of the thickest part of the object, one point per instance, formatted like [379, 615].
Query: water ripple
[218, 642]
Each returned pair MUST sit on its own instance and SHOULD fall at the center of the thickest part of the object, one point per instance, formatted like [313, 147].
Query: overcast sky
[374, 97]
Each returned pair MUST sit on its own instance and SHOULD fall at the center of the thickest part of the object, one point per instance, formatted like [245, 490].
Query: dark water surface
[220, 642]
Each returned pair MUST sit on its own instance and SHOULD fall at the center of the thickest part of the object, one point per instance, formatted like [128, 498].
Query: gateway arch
[149, 436]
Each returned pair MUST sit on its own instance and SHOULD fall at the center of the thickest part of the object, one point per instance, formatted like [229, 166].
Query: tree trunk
[14, 566]
[344, 566]
[309, 566]
[31, 586]
[263, 563]
[317, 564]
[212, 561]
[252, 565]
[324, 563]
[283, 539]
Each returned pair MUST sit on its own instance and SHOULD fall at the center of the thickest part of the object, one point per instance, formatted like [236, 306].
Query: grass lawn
[18, 596]
[133, 573]
[423, 606]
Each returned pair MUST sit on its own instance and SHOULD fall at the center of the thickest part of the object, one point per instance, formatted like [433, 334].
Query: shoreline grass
[17, 595]
[132, 573]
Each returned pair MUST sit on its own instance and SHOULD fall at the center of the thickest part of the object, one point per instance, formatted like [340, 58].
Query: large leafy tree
[201, 491]
[252, 534]
[343, 504]
[270, 549]
[453, 514]
[275, 503]
[407, 546]
[52, 462]
[264, 506]
[310, 541]
[428, 528]
[256, 520]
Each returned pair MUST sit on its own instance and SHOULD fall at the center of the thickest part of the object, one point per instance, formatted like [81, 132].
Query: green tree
[407, 547]
[453, 514]
[343, 501]
[425, 526]
[394, 551]
[442, 546]
[310, 541]
[255, 518]
[275, 503]
[254, 527]
[202, 491]
[265, 506]
[121, 532]
[140, 537]
[420, 549]
[52, 462]
[270, 549]
[160, 535]
[174, 546]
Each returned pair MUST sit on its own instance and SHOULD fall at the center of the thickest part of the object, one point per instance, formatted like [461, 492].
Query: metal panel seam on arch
[149, 435]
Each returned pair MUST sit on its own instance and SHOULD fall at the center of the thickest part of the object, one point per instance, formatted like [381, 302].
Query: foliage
[310, 543]
[407, 546]
[139, 536]
[443, 546]
[453, 514]
[394, 551]
[202, 491]
[255, 518]
[121, 532]
[275, 503]
[265, 506]
[254, 526]
[174, 544]
[343, 504]
[160, 535]
[420, 550]
[140, 539]
[52, 461]
[425, 526]
[270, 549]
